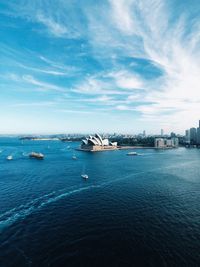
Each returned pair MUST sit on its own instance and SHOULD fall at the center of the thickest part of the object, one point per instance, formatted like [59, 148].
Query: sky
[82, 66]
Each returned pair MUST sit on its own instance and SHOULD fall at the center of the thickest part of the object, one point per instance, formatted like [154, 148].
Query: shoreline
[124, 148]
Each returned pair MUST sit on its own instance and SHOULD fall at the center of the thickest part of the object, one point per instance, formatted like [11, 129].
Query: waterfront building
[173, 134]
[97, 143]
[159, 143]
[166, 142]
[187, 136]
[193, 135]
[198, 136]
[175, 142]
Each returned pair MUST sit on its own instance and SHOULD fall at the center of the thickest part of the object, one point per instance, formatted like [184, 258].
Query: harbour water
[132, 211]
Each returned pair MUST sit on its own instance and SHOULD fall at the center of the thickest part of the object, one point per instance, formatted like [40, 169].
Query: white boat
[84, 176]
[74, 157]
[10, 157]
[132, 154]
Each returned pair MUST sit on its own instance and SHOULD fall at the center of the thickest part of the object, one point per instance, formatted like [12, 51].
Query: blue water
[132, 211]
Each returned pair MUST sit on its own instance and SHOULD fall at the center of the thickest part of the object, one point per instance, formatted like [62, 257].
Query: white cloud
[126, 80]
[133, 98]
[167, 46]
[46, 71]
[94, 86]
[122, 15]
[124, 108]
[54, 27]
[102, 99]
[152, 30]
[73, 111]
[60, 67]
[35, 104]
[46, 86]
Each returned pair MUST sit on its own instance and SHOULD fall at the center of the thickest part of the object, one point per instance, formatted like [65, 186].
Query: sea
[139, 210]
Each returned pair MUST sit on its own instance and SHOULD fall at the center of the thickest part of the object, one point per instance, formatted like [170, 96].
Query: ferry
[132, 154]
[36, 155]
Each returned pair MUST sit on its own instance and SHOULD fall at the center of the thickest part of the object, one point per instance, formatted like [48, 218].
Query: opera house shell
[97, 143]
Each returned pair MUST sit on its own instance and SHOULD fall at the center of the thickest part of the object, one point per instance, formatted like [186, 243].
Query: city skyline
[111, 66]
[192, 135]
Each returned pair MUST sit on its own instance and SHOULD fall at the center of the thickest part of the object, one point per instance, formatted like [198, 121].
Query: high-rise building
[198, 136]
[173, 134]
[161, 132]
[144, 133]
[175, 142]
[193, 135]
[187, 136]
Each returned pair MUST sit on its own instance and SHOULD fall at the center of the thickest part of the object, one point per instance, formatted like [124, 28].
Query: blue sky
[105, 66]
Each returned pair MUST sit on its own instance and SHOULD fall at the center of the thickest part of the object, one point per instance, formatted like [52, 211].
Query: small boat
[10, 157]
[74, 157]
[84, 176]
[36, 155]
[132, 154]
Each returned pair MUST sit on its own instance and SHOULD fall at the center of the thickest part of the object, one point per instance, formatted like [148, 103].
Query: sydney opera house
[97, 143]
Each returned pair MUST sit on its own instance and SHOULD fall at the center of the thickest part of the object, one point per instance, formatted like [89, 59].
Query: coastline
[123, 148]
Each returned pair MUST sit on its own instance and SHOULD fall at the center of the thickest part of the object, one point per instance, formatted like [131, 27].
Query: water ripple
[22, 211]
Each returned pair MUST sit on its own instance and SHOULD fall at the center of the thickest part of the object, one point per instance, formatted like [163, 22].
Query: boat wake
[21, 212]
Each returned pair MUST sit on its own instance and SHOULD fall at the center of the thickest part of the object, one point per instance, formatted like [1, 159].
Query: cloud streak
[139, 56]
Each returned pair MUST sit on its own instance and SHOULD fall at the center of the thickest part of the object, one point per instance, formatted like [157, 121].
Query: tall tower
[198, 136]
[193, 136]
[161, 132]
